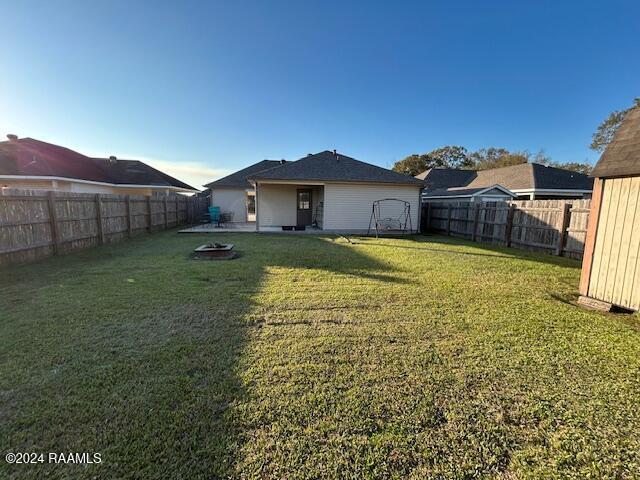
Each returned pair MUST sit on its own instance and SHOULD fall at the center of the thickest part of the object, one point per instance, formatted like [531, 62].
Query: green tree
[451, 156]
[493, 157]
[607, 129]
[584, 168]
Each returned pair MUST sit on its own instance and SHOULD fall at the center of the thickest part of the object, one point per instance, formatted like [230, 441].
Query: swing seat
[390, 224]
[390, 215]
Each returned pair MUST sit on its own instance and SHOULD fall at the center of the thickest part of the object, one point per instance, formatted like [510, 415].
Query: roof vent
[113, 159]
[12, 137]
[283, 161]
[309, 154]
[335, 155]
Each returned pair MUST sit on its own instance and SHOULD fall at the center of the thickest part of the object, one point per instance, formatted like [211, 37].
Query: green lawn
[310, 357]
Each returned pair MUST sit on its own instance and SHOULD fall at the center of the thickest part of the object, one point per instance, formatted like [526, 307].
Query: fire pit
[215, 251]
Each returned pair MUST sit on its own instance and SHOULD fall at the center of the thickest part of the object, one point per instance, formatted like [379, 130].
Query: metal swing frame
[376, 221]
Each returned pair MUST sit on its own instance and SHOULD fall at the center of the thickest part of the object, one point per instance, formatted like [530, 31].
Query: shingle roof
[239, 178]
[330, 167]
[460, 192]
[31, 157]
[622, 155]
[135, 172]
[438, 178]
[515, 177]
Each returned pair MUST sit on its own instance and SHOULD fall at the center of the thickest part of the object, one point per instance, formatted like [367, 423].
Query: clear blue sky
[205, 88]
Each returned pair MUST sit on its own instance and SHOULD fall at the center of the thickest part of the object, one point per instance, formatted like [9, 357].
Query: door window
[304, 200]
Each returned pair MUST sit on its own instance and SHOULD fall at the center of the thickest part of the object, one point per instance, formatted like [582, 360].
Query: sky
[201, 89]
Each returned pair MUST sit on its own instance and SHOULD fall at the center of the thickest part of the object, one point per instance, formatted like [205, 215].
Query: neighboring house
[494, 193]
[30, 164]
[527, 181]
[328, 191]
[611, 263]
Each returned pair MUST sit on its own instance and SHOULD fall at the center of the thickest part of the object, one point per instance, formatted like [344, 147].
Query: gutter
[94, 182]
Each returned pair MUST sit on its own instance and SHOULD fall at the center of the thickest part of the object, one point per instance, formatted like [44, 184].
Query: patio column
[257, 187]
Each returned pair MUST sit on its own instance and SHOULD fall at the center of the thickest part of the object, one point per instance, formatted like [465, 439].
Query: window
[251, 204]
[304, 200]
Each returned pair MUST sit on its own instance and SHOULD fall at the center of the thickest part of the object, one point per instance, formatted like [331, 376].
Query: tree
[493, 157]
[483, 159]
[452, 156]
[584, 168]
[607, 129]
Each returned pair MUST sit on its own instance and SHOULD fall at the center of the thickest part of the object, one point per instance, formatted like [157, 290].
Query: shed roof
[622, 156]
[334, 167]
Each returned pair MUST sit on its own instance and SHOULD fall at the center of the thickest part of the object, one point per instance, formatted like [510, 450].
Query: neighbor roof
[33, 158]
[516, 177]
[465, 192]
[622, 155]
[334, 167]
[135, 172]
[239, 178]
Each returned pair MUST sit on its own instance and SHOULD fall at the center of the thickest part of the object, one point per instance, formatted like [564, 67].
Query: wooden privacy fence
[553, 226]
[36, 224]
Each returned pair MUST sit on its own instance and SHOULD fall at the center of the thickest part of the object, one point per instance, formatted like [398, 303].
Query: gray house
[527, 181]
[328, 191]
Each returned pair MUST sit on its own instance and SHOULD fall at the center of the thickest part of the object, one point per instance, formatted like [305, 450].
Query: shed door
[304, 207]
[615, 273]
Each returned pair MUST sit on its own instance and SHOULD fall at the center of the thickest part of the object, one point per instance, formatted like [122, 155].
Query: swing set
[390, 215]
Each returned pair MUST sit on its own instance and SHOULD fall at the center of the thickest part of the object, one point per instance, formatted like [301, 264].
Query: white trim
[550, 190]
[91, 182]
[325, 182]
[510, 193]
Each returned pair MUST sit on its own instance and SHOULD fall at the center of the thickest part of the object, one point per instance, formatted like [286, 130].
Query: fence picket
[36, 224]
[554, 226]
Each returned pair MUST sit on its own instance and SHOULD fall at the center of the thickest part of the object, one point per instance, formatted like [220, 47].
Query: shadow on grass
[444, 241]
[134, 351]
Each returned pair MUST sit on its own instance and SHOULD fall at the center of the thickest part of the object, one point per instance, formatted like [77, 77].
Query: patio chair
[214, 215]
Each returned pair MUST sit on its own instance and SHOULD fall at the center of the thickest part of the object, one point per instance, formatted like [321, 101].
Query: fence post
[150, 215]
[509, 225]
[565, 216]
[476, 214]
[449, 219]
[177, 216]
[99, 219]
[53, 218]
[427, 218]
[129, 226]
[166, 214]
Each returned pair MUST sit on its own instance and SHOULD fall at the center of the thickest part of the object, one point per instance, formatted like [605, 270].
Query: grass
[310, 357]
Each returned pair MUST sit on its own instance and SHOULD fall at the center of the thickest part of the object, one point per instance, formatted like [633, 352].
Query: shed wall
[615, 272]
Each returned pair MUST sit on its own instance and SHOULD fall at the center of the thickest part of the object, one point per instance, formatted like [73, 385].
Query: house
[611, 263]
[493, 193]
[328, 191]
[30, 164]
[236, 195]
[526, 181]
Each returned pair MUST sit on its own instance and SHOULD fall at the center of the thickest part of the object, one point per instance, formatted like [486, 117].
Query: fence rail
[558, 227]
[36, 224]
